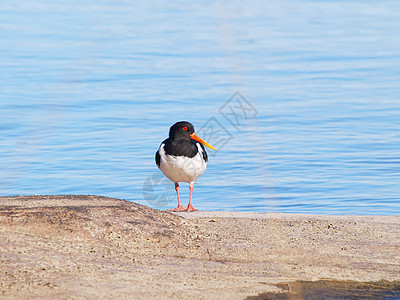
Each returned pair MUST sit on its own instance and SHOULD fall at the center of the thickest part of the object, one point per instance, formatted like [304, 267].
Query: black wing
[205, 157]
[158, 159]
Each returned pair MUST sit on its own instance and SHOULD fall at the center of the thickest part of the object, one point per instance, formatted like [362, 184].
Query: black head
[181, 130]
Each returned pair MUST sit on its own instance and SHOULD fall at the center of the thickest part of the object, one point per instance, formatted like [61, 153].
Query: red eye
[185, 128]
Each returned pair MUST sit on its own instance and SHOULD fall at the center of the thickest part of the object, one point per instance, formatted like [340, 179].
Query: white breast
[182, 168]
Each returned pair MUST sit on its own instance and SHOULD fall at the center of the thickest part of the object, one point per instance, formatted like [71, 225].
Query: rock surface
[91, 247]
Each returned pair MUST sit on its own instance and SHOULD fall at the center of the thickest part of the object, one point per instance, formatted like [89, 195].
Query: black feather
[158, 159]
[181, 147]
[180, 143]
[205, 157]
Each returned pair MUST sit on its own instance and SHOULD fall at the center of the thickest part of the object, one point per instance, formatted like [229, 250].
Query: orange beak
[196, 138]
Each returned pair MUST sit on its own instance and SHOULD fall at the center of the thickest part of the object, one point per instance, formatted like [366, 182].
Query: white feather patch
[182, 168]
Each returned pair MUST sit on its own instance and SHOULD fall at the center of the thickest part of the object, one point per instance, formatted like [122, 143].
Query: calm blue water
[88, 91]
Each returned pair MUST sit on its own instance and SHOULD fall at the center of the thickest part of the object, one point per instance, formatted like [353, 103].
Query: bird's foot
[179, 208]
[190, 208]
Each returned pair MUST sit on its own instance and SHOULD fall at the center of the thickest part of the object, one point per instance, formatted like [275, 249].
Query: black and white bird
[182, 158]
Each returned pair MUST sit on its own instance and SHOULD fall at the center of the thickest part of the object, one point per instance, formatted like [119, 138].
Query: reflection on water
[88, 93]
[334, 289]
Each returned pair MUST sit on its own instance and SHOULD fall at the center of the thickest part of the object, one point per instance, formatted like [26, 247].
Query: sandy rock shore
[91, 247]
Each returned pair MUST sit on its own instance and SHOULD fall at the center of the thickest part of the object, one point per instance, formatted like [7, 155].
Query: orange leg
[180, 207]
[190, 206]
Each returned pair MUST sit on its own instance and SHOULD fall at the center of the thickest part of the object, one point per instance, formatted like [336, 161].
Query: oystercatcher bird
[182, 158]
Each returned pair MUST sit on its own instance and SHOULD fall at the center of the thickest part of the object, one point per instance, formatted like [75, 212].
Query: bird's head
[185, 130]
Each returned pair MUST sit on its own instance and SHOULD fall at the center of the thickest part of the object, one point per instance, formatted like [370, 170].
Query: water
[88, 91]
